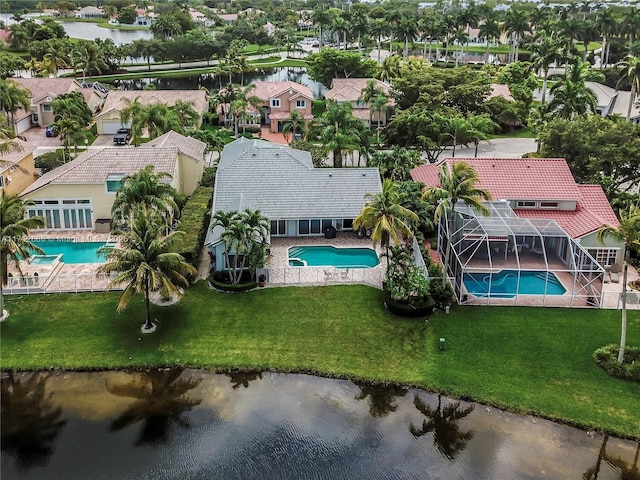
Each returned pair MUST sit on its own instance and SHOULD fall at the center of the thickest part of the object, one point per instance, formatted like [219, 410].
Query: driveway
[36, 136]
[496, 148]
[103, 141]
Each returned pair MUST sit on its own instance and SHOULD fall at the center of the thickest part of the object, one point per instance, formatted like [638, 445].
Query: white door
[110, 127]
[23, 125]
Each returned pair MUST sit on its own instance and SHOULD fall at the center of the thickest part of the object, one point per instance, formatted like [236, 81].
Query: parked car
[122, 136]
[51, 131]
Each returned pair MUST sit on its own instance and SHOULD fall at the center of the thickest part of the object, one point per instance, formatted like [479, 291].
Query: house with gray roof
[79, 194]
[299, 199]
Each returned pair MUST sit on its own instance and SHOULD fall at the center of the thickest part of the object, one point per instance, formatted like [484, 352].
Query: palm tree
[379, 103]
[407, 29]
[89, 58]
[571, 96]
[12, 98]
[146, 262]
[489, 30]
[377, 28]
[321, 18]
[631, 26]
[515, 26]
[459, 183]
[630, 71]
[386, 217]
[628, 232]
[187, 116]
[338, 129]
[442, 422]
[607, 24]
[14, 243]
[368, 93]
[132, 110]
[157, 119]
[148, 188]
[69, 129]
[543, 54]
[160, 400]
[293, 125]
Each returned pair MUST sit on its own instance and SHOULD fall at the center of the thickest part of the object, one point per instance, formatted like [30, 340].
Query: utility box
[103, 225]
[442, 344]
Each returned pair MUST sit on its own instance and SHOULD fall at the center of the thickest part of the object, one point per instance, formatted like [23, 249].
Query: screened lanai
[503, 259]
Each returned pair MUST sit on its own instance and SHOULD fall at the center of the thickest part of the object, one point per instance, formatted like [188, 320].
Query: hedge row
[194, 223]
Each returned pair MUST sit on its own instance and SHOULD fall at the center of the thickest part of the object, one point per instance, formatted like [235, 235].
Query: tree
[543, 54]
[630, 71]
[146, 262]
[187, 116]
[157, 119]
[12, 98]
[338, 129]
[459, 183]
[150, 189]
[397, 163]
[607, 24]
[386, 217]
[478, 128]
[379, 104]
[489, 30]
[382, 398]
[329, 64]
[88, 57]
[571, 96]
[368, 93]
[127, 15]
[515, 26]
[132, 110]
[14, 238]
[166, 26]
[294, 125]
[628, 232]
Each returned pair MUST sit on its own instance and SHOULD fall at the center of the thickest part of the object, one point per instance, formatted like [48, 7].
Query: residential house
[278, 100]
[144, 18]
[543, 189]
[79, 195]
[350, 90]
[200, 18]
[43, 92]
[614, 102]
[108, 120]
[283, 184]
[19, 173]
[90, 12]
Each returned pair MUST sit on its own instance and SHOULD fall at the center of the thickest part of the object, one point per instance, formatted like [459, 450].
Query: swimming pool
[72, 252]
[327, 256]
[504, 284]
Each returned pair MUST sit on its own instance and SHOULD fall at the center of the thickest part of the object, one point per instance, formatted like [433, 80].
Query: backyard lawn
[534, 360]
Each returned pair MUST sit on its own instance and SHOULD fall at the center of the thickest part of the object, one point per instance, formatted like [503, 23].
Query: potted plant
[262, 280]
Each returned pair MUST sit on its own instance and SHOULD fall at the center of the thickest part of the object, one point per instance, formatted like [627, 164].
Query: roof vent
[528, 166]
[277, 154]
[331, 174]
[364, 174]
[494, 165]
[253, 154]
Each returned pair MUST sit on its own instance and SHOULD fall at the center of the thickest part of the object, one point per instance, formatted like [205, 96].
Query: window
[326, 223]
[604, 256]
[275, 103]
[525, 204]
[46, 107]
[278, 227]
[347, 223]
[315, 226]
[548, 204]
[1, 181]
[65, 214]
[114, 181]
[301, 103]
[303, 227]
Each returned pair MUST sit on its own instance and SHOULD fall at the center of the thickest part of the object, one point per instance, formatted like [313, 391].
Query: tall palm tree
[479, 128]
[543, 54]
[379, 103]
[442, 422]
[157, 119]
[12, 98]
[14, 237]
[187, 115]
[386, 217]
[407, 30]
[146, 262]
[608, 25]
[631, 26]
[338, 129]
[630, 71]
[489, 30]
[628, 232]
[571, 96]
[293, 125]
[88, 58]
[368, 93]
[132, 109]
[459, 183]
[321, 18]
[378, 28]
[148, 188]
[515, 26]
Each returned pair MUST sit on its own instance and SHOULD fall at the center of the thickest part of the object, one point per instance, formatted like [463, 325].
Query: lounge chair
[344, 274]
[614, 273]
[328, 274]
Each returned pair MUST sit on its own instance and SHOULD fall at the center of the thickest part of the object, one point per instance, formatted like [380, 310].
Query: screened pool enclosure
[502, 259]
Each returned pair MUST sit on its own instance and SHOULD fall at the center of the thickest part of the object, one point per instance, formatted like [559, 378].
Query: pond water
[294, 74]
[178, 424]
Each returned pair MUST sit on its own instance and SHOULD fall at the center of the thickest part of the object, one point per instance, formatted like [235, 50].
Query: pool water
[43, 259]
[72, 252]
[505, 284]
[326, 256]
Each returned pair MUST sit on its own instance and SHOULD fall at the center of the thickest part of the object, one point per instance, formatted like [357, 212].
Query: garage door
[23, 125]
[109, 128]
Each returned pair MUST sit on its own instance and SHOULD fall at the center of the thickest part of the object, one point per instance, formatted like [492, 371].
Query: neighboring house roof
[94, 166]
[592, 212]
[621, 105]
[90, 10]
[498, 90]
[41, 88]
[118, 99]
[603, 93]
[267, 90]
[284, 185]
[16, 156]
[228, 17]
[535, 179]
[350, 89]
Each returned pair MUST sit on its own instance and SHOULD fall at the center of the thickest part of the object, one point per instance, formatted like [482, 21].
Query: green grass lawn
[528, 360]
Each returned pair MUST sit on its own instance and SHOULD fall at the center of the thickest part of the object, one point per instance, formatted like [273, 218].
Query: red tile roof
[268, 90]
[535, 179]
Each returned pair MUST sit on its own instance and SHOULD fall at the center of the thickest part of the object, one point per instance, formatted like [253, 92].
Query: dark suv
[122, 136]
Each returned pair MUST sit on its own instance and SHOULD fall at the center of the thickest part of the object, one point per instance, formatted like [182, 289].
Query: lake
[179, 424]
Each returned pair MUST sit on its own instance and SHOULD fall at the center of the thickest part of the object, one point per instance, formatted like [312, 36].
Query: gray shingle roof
[283, 184]
[187, 145]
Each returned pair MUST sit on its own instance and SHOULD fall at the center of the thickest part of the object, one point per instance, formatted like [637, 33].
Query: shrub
[49, 160]
[194, 223]
[607, 358]
[441, 293]
[208, 177]
[221, 281]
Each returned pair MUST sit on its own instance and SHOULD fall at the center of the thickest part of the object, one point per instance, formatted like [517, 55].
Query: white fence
[74, 283]
[325, 276]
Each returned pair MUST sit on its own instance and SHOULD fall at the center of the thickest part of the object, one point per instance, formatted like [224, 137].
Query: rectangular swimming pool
[72, 252]
[504, 284]
[328, 256]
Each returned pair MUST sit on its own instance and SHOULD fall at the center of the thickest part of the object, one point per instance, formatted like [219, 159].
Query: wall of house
[113, 115]
[19, 180]
[590, 241]
[189, 174]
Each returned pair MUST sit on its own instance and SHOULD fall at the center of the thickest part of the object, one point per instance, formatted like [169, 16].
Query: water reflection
[608, 464]
[242, 379]
[161, 402]
[442, 423]
[30, 422]
[382, 398]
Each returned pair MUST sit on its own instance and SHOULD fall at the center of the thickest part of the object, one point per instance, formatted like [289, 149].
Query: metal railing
[57, 283]
[325, 276]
